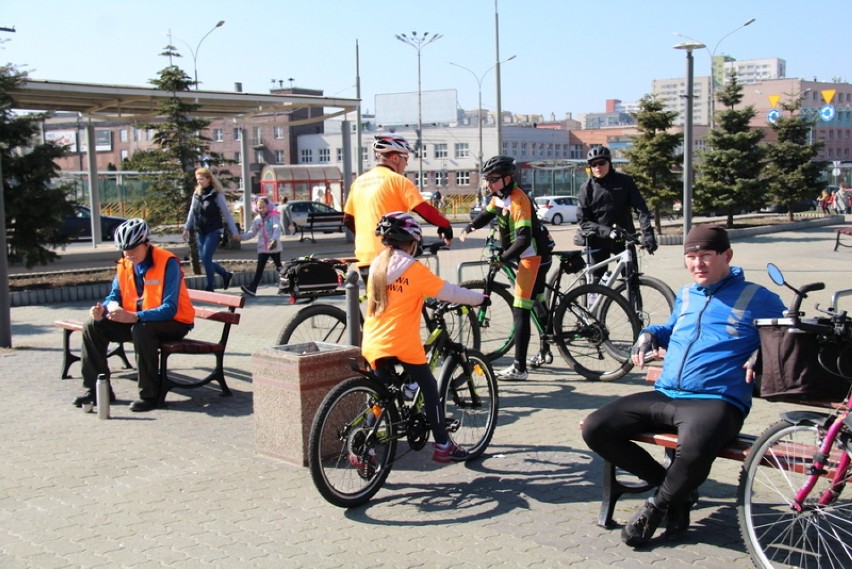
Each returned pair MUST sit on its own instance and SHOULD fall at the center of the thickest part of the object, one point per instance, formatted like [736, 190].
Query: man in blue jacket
[703, 393]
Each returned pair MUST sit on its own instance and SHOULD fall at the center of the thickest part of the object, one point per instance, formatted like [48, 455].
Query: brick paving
[183, 486]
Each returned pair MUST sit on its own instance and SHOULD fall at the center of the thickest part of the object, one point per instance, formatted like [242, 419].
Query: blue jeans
[207, 244]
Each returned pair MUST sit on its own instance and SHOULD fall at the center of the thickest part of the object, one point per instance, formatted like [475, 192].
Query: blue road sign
[827, 113]
[773, 116]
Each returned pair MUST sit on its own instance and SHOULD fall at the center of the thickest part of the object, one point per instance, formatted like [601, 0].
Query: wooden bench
[212, 306]
[321, 221]
[68, 327]
[737, 449]
[840, 232]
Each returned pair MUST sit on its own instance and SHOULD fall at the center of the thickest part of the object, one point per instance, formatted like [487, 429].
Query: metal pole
[5, 297]
[245, 173]
[359, 161]
[420, 183]
[687, 150]
[497, 73]
[94, 193]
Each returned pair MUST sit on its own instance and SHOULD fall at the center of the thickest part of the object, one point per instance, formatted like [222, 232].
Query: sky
[570, 56]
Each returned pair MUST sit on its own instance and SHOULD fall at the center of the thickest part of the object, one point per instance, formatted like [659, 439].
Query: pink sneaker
[450, 452]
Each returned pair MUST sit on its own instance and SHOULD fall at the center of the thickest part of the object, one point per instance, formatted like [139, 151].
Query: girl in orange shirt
[396, 289]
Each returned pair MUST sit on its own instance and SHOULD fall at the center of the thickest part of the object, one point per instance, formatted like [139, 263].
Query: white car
[556, 209]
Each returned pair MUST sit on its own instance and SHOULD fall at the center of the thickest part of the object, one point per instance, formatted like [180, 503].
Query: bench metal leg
[613, 489]
[67, 357]
[119, 351]
[167, 384]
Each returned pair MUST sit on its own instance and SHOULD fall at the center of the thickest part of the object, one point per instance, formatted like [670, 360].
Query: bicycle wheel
[775, 533]
[496, 322]
[657, 300]
[351, 450]
[470, 401]
[595, 343]
[315, 323]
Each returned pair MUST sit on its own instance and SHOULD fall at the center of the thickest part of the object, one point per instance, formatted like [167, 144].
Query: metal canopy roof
[111, 101]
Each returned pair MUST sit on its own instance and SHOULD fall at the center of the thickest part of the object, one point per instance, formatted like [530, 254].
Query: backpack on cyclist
[306, 276]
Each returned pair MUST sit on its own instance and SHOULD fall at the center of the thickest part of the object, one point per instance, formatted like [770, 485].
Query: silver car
[299, 210]
[556, 209]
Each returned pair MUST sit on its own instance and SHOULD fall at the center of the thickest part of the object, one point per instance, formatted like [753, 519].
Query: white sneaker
[512, 373]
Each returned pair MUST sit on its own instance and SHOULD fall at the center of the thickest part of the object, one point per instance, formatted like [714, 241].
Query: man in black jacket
[607, 200]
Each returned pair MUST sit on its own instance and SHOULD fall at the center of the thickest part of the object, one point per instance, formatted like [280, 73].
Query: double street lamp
[479, 79]
[418, 42]
[194, 52]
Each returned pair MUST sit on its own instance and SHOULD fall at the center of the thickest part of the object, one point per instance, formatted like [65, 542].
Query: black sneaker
[89, 397]
[248, 291]
[641, 527]
[226, 280]
[678, 517]
[143, 404]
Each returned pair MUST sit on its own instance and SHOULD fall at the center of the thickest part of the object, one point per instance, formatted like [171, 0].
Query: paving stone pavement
[183, 486]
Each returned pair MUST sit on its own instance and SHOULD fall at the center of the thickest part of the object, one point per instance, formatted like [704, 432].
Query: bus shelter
[303, 182]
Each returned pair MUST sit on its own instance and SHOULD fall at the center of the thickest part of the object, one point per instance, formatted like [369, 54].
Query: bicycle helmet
[499, 165]
[398, 228]
[389, 143]
[599, 152]
[131, 233]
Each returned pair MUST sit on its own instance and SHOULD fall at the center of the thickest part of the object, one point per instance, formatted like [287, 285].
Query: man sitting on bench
[148, 304]
[703, 393]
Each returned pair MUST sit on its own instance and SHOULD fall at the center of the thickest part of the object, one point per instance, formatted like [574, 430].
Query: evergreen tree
[34, 207]
[792, 172]
[730, 168]
[652, 157]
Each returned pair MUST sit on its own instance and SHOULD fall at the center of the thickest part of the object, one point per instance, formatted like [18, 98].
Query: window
[422, 152]
[338, 152]
[124, 155]
[279, 156]
[149, 134]
[238, 157]
[258, 135]
[365, 154]
[523, 149]
[440, 150]
[440, 178]
[137, 135]
[238, 134]
[462, 150]
[122, 135]
[218, 135]
[279, 132]
[324, 155]
[462, 178]
[258, 157]
[306, 156]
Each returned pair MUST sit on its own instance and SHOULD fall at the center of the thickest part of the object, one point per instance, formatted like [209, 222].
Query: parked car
[475, 210]
[556, 209]
[798, 205]
[79, 225]
[299, 210]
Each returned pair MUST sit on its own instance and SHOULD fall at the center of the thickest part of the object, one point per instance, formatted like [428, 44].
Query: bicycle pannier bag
[572, 262]
[792, 369]
[306, 276]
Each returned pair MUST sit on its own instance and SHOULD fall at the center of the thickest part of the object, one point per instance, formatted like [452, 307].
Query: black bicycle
[354, 435]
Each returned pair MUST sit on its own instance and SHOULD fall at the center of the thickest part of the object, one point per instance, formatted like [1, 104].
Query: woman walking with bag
[206, 214]
[266, 227]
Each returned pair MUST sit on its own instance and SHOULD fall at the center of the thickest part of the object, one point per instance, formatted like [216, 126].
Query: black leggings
[703, 426]
[521, 317]
[422, 375]
[261, 267]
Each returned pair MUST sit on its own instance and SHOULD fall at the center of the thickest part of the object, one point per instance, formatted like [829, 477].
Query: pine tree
[652, 157]
[792, 173]
[729, 171]
[34, 206]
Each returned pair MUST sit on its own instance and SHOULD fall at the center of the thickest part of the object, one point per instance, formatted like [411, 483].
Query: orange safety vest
[152, 292]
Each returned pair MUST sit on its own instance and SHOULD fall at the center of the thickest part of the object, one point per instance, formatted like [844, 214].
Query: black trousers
[261, 266]
[146, 338]
[703, 426]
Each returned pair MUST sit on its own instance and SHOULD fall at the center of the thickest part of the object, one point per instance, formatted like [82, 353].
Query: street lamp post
[194, 52]
[712, 102]
[687, 138]
[479, 79]
[418, 42]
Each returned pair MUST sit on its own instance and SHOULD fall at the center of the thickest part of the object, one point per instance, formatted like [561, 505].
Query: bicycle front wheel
[315, 323]
[656, 297]
[471, 403]
[352, 443]
[496, 322]
[594, 342]
[776, 531]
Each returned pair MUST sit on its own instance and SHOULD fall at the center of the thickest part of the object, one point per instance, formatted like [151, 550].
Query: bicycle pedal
[453, 426]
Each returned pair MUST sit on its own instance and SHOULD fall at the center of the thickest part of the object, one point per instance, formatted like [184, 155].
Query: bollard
[353, 310]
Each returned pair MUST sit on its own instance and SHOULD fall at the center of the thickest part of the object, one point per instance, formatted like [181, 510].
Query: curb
[762, 230]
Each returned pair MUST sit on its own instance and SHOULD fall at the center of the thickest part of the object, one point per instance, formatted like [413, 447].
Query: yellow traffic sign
[828, 95]
[773, 100]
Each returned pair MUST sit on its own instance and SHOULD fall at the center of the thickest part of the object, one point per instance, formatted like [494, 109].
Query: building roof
[111, 101]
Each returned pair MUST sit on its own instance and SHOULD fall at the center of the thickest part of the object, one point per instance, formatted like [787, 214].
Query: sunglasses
[492, 179]
[596, 163]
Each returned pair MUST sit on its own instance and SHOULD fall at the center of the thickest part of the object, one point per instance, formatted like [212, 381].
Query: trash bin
[289, 383]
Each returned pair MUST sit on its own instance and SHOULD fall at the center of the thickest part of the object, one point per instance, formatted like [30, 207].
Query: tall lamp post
[418, 42]
[194, 52]
[712, 102]
[687, 137]
[479, 79]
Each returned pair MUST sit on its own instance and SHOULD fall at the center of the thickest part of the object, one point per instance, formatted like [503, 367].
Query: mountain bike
[793, 506]
[354, 435]
[327, 322]
[592, 325]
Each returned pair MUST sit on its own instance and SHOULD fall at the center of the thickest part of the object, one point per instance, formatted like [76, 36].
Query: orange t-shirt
[373, 194]
[396, 331]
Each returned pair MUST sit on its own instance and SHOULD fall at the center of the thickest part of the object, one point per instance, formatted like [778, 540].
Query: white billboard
[398, 109]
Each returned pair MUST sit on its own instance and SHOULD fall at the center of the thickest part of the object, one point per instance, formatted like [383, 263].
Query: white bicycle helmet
[398, 227]
[388, 143]
[131, 233]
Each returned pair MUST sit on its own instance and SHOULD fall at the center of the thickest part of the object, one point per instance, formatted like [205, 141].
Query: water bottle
[102, 396]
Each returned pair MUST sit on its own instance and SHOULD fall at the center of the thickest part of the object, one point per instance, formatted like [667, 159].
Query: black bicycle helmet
[599, 152]
[398, 228]
[499, 165]
[131, 233]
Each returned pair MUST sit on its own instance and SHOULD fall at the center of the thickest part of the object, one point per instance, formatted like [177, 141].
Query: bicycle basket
[801, 366]
[304, 277]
